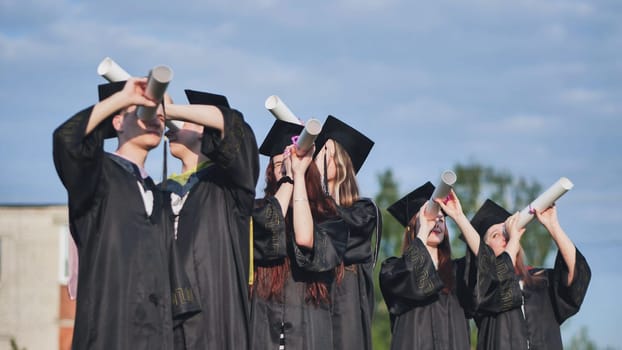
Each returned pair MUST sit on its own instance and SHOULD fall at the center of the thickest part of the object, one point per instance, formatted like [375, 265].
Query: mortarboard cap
[490, 213]
[105, 91]
[355, 143]
[206, 98]
[405, 208]
[279, 137]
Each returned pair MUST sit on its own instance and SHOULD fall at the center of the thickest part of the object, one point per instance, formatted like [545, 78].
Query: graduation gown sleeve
[236, 153]
[410, 279]
[567, 299]
[78, 161]
[362, 219]
[329, 245]
[497, 287]
[268, 231]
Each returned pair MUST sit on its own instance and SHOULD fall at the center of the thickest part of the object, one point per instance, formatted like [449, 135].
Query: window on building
[63, 254]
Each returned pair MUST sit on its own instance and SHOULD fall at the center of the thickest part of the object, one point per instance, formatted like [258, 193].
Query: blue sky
[531, 87]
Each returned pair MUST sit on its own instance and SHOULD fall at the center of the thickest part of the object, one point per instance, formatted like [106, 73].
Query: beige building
[34, 307]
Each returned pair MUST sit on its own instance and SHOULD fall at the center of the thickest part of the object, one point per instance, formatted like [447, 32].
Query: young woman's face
[437, 235]
[495, 239]
[277, 164]
[329, 150]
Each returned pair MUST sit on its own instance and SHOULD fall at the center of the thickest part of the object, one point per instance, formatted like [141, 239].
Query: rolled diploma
[111, 71]
[159, 78]
[448, 179]
[307, 136]
[545, 200]
[280, 110]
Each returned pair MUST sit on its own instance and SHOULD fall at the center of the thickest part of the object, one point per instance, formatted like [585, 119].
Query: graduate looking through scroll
[298, 242]
[212, 201]
[427, 293]
[341, 152]
[520, 307]
[117, 222]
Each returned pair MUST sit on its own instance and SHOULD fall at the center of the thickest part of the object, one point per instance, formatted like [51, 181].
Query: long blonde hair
[346, 187]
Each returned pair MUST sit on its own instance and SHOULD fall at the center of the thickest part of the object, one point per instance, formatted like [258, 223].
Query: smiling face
[496, 239]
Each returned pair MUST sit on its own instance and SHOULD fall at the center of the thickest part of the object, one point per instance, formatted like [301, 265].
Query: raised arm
[567, 249]
[208, 116]
[453, 209]
[303, 220]
[513, 244]
[132, 94]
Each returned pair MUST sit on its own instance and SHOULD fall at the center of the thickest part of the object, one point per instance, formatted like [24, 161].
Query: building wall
[30, 280]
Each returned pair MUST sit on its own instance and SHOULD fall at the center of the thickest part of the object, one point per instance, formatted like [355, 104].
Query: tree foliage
[390, 244]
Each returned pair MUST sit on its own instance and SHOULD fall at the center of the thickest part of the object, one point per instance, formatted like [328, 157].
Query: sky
[530, 87]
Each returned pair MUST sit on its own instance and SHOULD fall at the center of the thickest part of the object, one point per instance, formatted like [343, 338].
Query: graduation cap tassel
[164, 165]
[165, 154]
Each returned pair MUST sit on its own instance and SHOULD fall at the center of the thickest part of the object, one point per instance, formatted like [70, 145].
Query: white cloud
[578, 96]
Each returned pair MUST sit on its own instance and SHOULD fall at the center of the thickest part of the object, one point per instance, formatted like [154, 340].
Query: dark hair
[445, 264]
[270, 280]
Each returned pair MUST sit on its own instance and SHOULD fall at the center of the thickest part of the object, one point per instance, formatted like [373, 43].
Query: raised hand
[425, 224]
[451, 205]
[548, 217]
[134, 93]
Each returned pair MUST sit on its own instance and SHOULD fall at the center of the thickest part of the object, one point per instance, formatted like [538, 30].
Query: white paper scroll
[111, 71]
[280, 110]
[159, 78]
[307, 136]
[448, 179]
[545, 200]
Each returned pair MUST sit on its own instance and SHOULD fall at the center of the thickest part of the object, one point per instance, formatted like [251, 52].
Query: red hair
[270, 280]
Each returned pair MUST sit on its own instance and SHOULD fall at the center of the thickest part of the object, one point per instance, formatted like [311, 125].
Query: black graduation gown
[353, 298]
[547, 303]
[305, 326]
[422, 316]
[213, 237]
[124, 286]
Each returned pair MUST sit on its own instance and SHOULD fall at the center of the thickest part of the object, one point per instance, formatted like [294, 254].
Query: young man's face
[185, 140]
[145, 134]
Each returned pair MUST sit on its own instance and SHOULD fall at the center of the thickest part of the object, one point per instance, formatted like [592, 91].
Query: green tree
[581, 341]
[14, 345]
[389, 246]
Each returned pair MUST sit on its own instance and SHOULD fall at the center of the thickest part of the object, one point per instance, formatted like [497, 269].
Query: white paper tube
[159, 78]
[280, 110]
[111, 71]
[448, 179]
[307, 136]
[545, 200]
